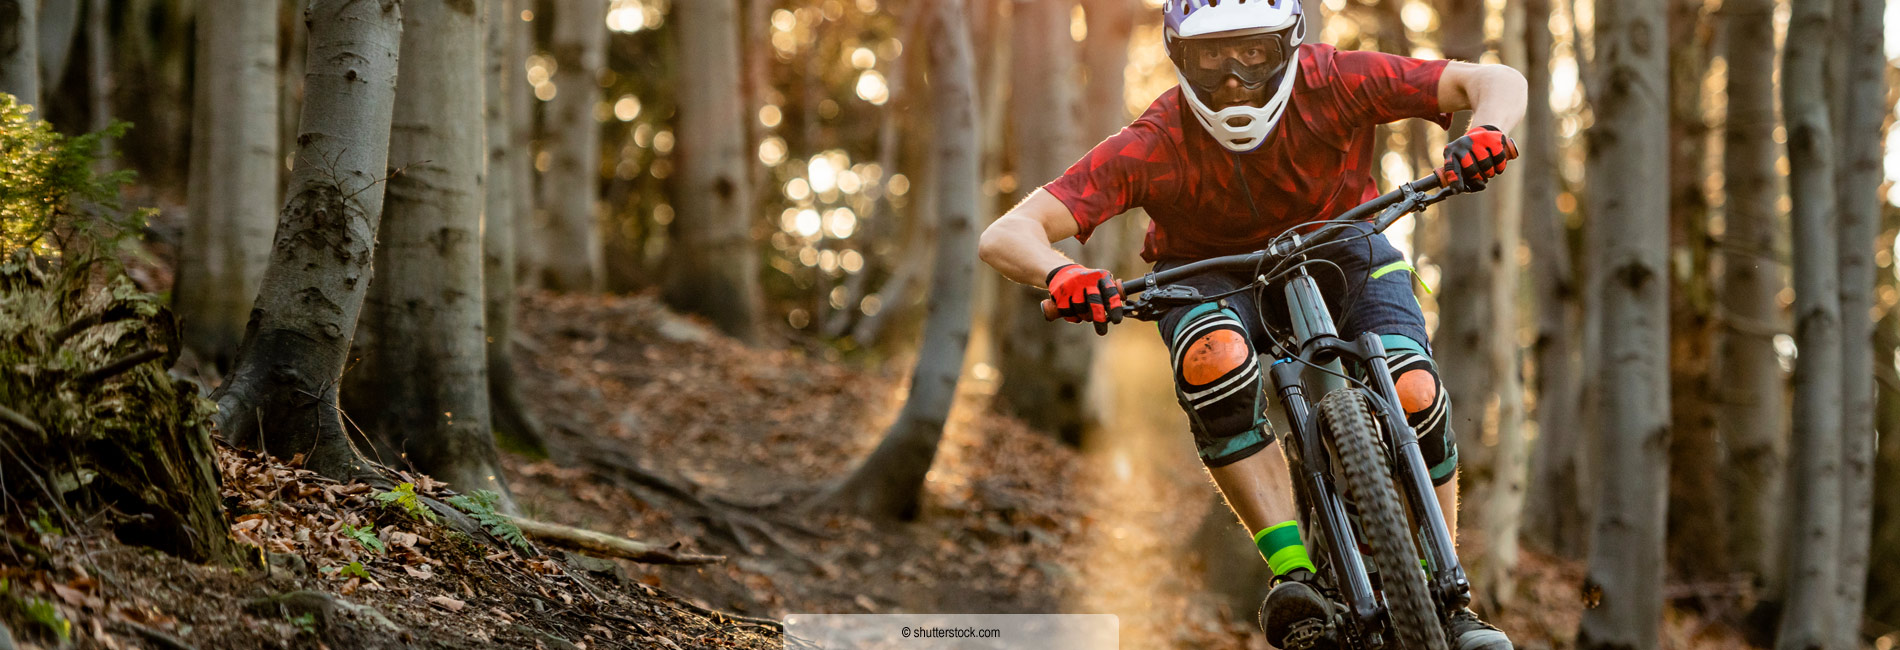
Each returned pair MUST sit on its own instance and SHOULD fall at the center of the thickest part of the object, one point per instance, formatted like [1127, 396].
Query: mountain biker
[1266, 132]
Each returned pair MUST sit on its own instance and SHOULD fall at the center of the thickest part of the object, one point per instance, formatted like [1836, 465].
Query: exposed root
[604, 544]
[714, 614]
[741, 525]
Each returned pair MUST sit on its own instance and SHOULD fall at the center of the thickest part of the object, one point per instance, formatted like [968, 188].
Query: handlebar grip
[1049, 310]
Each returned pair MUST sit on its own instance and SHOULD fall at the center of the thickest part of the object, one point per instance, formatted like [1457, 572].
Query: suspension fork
[1306, 454]
[1415, 481]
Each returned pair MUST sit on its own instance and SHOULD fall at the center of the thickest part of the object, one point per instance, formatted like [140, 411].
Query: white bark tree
[1462, 343]
[419, 389]
[281, 395]
[890, 483]
[1858, 177]
[19, 50]
[1045, 366]
[1553, 515]
[515, 427]
[1628, 153]
[1810, 616]
[570, 256]
[234, 176]
[713, 268]
[1753, 406]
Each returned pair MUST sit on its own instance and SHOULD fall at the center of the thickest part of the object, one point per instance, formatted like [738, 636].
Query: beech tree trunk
[281, 394]
[58, 29]
[1462, 343]
[1628, 153]
[1753, 411]
[1111, 26]
[1857, 184]
[571, 256]
[19, 50]
[1811, 616]
[234, 176]
[515, 427]
[1697, 527]
[1883, 576]
[890, 483]
[1555, 515]
[528, 238]
[419, 388]
[1044, 366]
[1503, 504]
[713, 268]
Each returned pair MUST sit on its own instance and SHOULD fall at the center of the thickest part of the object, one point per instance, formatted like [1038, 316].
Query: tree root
[743, 526]
[611, 545]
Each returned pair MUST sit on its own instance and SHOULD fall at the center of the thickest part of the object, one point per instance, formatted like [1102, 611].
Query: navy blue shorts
[1371, 291]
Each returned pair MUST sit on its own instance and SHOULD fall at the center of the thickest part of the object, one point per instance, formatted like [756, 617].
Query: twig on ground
[157, 637]
[587, 540]
[717, 615]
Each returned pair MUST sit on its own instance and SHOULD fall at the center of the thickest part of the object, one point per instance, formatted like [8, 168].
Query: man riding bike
[1263, 134]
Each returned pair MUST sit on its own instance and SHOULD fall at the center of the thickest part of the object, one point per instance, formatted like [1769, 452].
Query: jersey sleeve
[1114, 177]
[1376, 88]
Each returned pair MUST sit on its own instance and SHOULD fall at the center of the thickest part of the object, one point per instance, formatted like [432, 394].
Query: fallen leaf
[447, 603]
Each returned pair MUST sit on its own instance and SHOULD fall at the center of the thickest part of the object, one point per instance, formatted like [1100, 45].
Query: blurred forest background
[1669, 328]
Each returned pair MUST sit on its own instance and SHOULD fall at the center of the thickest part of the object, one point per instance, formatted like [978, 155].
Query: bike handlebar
[1255, 259]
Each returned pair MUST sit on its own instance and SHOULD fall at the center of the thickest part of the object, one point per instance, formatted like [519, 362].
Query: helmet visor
[1253, 60]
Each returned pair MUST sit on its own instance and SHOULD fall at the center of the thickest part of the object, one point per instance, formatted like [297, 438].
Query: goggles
[1253, 59]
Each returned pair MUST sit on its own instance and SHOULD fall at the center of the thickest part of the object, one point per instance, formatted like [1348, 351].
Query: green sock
[1280, 544]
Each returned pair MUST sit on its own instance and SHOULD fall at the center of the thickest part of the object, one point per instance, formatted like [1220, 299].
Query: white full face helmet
[1255, 42]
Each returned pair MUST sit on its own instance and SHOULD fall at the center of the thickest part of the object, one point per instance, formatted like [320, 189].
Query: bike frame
[1319, 364]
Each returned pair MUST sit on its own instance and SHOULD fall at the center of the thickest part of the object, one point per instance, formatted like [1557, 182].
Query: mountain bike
[1359, 479]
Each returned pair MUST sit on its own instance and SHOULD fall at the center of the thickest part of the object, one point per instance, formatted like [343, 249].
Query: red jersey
[1316, 164]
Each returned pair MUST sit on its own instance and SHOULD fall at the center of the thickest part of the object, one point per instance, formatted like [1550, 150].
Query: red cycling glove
[1476, 158]
[1086, 295]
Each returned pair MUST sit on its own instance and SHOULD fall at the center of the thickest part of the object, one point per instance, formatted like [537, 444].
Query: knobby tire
[1382, 521]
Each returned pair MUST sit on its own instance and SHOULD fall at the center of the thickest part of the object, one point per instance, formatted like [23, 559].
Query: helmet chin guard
[1242, 129]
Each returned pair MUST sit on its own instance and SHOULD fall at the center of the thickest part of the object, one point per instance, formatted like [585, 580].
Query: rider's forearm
[1019, 249]
[1498, 97]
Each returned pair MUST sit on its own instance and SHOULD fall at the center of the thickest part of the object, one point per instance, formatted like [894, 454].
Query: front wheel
[1368, 482]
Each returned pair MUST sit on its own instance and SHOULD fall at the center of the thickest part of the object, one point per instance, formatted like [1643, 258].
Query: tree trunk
[58, 29]
[1811, 615]
[1697, 530]
[890, 483]
[290, 70]
[521, 153]
[515, 428]
[1461, 342]
[1555, 516]
[19, 50]
[1503, 506]
[1857, 186]
[1753, 410]
[99, 74]
[713, 268]
[419, 388]
[1628, 152]
[281, 394]
[1045, 366]
[571, 257]
[1111, 26]
[234, 178]
[1883, 577]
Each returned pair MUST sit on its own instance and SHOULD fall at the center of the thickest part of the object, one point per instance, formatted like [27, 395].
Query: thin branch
[113, 369]
[612, 545]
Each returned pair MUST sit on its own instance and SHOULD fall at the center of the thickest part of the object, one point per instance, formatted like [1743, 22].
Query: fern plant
[404, 497]
[480, 506]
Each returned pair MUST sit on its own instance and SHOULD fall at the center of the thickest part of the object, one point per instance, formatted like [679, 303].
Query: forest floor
[664, 431]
